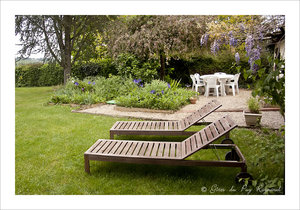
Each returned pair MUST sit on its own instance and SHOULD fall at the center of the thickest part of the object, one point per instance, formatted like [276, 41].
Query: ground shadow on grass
[169, 179]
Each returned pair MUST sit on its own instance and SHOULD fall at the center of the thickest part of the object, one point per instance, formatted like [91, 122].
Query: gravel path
[231, 105]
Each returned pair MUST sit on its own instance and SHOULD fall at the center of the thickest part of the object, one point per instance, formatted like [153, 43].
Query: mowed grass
[51, 140]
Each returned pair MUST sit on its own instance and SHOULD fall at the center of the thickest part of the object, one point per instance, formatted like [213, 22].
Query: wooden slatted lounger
[171, 128]
[171, 153]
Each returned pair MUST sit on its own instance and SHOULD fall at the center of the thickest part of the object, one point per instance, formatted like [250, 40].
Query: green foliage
[156, 95]
[92, 90]
[129, 65]
[113, 86]
[270, 82]
[271, 152]
[51, 75]
[253, 105]
[38, 75]
[101, 67]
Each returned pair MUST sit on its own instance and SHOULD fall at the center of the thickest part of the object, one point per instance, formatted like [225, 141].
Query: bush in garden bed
[92, 90]
[156, 95]
[126, 91]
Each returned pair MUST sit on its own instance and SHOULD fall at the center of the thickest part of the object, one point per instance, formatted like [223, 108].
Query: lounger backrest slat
[199, 114]
[207, 135]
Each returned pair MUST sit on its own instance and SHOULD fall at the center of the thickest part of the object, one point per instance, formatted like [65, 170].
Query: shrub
[51, 74]
[128, 65]
[156, 95]
[93, 90]
[113, 86]
[38, 75]
[27, 75]
[103, 67]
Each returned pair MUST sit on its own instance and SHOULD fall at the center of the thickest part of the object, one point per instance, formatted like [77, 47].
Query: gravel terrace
[231, 105]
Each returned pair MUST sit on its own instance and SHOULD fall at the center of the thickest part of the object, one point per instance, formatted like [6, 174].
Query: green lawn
[50, 142]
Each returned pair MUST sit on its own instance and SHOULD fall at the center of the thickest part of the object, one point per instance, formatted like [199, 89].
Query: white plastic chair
[195, 83]
[193, 80]
[211, 83]
[199, 82]
[234, 83]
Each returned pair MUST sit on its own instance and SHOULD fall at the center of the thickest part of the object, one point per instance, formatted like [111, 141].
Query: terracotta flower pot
[252, 119]
[193, 100]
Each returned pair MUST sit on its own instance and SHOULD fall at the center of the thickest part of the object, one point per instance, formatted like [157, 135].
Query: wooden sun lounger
[171, 128]
[169, 153]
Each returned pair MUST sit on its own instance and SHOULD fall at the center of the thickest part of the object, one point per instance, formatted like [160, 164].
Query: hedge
[38, 75]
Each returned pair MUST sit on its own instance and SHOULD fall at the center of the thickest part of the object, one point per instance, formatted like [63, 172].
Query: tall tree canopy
[63, 38]
[157, 36]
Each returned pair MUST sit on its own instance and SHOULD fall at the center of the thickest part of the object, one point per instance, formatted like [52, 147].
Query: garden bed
[133, 109]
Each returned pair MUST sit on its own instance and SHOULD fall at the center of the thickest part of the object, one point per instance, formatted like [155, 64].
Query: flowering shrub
[93, 90]
[156, 95]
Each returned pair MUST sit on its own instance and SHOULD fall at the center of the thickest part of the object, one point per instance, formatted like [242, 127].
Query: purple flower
[232, 41]
[89, 82]
[254, 55]
[237, 57]
[94, 83]
[152, 91]
[141, 85]
[137, 81]
[162, 92]
[169, 86]
[82, 89]
[214, 47]
[242, 27]
[204, 39]
[76, 83]
[249, 43]
[254, 67]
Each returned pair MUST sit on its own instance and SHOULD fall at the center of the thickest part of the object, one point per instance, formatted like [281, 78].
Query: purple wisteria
[215, 47]
[232, 40]
[237, 57]
[249, 43]
[253, 53]
[204, 39]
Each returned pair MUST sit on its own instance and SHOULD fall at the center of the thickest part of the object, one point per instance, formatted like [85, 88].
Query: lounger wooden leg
[244, 168]
[86, 164]
[227, 135]
[111, 135]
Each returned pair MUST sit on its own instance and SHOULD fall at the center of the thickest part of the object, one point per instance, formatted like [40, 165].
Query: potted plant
[193, 99]
[252, 115]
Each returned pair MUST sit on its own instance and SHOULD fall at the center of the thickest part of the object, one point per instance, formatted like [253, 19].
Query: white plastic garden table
[222, 78]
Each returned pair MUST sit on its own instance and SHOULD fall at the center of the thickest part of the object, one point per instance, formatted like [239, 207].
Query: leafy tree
[62, 38]
[160, 37]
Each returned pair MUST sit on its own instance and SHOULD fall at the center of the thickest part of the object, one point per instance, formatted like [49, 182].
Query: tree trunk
[162, 65]
[67, 51]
